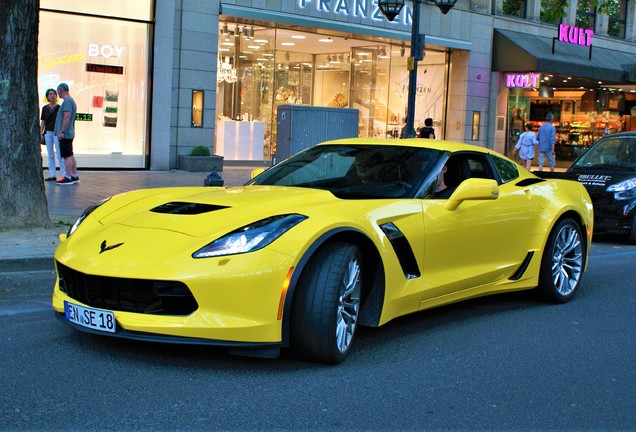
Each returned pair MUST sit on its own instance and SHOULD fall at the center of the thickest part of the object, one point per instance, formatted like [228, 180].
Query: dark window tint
[507, 170]
[613, 151]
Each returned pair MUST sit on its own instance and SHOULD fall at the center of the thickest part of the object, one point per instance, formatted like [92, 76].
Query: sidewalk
[66, 203]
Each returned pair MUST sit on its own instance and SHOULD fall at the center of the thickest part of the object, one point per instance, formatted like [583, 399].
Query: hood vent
[186, 208]
[529, 182]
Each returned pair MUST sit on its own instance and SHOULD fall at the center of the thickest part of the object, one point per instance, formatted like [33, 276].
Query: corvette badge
[104, 248]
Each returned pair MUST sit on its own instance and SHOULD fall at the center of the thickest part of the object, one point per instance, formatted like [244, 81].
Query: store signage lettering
[106, 81]
[525, 80]
[575, 35]
[92, 67]
[365, 9]
[48, 60]
[594, 180]
[107, 51]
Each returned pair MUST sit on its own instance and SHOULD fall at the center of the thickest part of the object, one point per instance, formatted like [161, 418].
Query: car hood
[139, 233]
[204, 211]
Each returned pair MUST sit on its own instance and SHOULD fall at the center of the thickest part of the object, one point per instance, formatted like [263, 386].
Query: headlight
[251, 237]
[623, 190]
[84, 215]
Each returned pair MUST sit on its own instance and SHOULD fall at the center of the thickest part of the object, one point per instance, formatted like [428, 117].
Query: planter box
[201, 163]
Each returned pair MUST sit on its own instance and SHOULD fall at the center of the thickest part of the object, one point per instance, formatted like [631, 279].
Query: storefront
[262, 65]
[584, 88]
[102, 51]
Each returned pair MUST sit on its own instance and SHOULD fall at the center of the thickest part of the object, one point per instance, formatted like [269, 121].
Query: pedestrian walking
[65, 131]
[547, 139]
[525, 146]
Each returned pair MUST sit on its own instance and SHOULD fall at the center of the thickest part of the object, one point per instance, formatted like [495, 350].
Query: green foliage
[553, 10]
[512, 8]
[200, 151]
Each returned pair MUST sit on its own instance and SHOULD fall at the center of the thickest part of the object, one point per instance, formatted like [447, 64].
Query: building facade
[214, 73]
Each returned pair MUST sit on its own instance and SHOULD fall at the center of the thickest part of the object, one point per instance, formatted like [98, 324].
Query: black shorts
[66, 147]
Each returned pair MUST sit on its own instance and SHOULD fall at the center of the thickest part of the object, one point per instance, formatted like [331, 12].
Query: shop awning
[516, 52]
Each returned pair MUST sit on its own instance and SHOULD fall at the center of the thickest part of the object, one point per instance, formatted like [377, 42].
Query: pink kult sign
[575, 35]
[522, 80]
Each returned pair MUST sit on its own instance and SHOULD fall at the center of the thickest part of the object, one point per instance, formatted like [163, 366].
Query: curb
[26, 264]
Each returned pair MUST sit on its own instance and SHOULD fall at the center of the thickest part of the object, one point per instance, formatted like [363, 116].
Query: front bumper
[256, 349]
[611, 218]
[237, 301]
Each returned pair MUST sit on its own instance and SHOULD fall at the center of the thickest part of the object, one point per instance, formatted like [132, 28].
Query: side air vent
[523, 267]
[402, 249]
[186, 208]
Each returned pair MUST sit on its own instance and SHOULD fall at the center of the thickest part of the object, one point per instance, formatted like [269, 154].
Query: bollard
[213, 179]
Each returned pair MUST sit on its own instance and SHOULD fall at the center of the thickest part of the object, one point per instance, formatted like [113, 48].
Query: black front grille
[127, 295]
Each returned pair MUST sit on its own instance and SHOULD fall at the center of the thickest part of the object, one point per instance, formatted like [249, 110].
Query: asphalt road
[507, 362]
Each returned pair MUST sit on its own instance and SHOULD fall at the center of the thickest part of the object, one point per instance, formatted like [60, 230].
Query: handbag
[42, 141]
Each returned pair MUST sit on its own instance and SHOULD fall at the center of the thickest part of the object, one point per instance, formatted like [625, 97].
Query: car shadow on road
[371, 345]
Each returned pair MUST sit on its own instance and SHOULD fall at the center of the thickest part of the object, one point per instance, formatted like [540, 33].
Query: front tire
[562, 262]
[326, 306]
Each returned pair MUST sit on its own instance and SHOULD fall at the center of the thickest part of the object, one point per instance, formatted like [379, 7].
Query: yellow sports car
[346, 233]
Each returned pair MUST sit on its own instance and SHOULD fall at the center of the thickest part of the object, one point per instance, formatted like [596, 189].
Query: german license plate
[96, 319]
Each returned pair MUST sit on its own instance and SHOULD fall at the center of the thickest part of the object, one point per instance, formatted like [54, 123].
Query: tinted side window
[619, 151]
[479, 168]
[507, 170]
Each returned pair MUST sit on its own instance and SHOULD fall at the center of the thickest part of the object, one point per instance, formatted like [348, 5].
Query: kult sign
[514, 80]
[575, 35]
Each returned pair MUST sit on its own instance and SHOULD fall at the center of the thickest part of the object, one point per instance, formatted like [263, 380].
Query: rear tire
[562, 262]
[326, 305]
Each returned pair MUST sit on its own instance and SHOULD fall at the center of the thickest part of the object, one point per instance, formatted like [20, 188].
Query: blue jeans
[53, 149]
[549, 155]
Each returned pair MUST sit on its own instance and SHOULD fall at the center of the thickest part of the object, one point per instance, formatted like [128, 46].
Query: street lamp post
[391, 9]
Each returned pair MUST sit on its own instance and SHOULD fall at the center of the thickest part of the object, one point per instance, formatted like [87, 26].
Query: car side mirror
[473, 189]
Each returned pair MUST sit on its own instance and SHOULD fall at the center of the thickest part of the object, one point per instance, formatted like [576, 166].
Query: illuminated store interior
[105, 63]
[260, 68]
[583, 110]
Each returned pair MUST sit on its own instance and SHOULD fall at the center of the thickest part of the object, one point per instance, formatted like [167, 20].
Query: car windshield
[355, 171]
[610, 152]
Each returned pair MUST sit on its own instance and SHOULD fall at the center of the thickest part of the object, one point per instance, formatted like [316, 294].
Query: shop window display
[105, 64]
[262, 68]
[581, 117]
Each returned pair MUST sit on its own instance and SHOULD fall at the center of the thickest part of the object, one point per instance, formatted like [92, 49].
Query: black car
[608, 172]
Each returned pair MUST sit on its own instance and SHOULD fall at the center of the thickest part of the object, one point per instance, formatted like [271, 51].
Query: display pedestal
[240, 140]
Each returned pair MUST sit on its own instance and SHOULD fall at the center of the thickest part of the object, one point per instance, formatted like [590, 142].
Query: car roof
[435, 144]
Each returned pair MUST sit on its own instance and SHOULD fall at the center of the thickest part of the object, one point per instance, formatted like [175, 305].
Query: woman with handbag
[48, 138]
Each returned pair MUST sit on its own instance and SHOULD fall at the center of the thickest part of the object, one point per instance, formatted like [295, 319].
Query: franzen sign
[367, 10]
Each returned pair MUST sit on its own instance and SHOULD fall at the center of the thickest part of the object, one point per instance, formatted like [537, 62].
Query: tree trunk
[22, 197]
